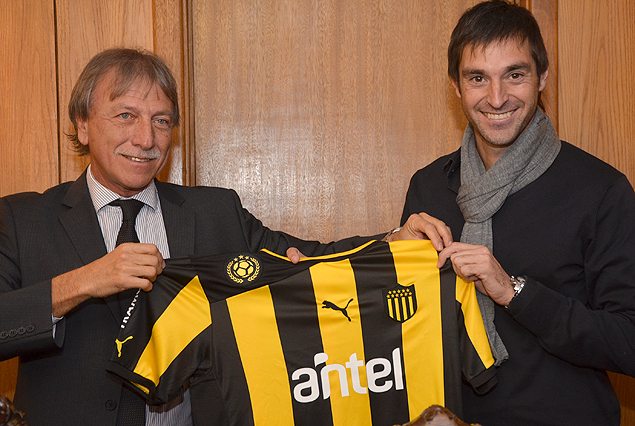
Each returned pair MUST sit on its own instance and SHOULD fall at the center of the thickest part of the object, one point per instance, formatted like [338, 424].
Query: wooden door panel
[319, 112]
[28, 136]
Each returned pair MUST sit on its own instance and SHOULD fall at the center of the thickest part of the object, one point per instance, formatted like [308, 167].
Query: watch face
[518, 284]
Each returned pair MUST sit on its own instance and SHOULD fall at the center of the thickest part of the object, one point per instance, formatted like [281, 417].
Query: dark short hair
[129, 66]
[492, 21]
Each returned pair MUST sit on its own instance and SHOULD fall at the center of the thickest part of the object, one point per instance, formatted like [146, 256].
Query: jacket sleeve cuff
[534, 307]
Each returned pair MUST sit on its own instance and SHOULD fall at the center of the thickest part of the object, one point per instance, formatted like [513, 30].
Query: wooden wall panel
[319, 111]
[597, 88]
[8, 377]
[85, 28]
[28, 136]
[625, 388]
[597, 93]
[546, 13]
[172, 43]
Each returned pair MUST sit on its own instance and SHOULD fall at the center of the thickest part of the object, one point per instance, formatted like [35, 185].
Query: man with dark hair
[72, 258]
[546, 233]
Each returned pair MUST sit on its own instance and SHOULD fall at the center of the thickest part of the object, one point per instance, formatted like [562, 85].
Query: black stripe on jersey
[234, 381]
[451, 348]
[292, 300]
[386, 408]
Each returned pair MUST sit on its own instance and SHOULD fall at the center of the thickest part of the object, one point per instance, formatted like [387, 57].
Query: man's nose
[144, 134]
[497, 94]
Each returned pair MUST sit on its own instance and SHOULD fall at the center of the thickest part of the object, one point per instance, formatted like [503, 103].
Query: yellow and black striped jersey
[372, 336]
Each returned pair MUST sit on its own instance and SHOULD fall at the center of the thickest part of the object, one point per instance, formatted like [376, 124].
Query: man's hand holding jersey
[471, 262]
[130, 265]
[423, 226]
[477, 264]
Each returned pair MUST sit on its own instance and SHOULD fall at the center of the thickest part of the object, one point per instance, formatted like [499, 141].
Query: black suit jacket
[64, 382]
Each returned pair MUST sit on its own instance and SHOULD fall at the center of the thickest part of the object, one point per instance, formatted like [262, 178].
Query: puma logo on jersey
[329, 305]
[120, 344]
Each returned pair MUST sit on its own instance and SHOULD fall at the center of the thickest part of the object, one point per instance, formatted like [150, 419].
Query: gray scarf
[482, 193]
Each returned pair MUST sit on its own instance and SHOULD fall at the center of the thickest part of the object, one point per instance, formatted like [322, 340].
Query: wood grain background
[316, 111]
[29, 146]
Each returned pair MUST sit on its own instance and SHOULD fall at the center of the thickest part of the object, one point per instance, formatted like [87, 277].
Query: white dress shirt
[150, 229]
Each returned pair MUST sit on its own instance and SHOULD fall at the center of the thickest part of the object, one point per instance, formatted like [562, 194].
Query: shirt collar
[101, 195]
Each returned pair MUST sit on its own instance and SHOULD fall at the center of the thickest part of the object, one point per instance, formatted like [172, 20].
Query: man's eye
[163, 121]
[125, 115]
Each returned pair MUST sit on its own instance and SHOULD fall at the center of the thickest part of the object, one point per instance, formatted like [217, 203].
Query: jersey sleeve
[477, 359]
[164, 337]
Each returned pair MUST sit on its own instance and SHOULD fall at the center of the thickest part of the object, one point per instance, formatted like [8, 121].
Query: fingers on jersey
[423, 225]
[478, 264]
[294, 254]
[132, 265]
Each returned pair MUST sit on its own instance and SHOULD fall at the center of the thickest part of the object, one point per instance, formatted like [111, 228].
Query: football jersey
[371, 336]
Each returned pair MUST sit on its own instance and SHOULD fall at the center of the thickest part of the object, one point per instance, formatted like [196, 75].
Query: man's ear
[543, 80]
[457, 89]
[82, 130]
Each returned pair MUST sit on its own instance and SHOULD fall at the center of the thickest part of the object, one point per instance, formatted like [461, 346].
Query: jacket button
[13, 332]
[111, 405]
[30, 328]
[21, 330]
[3, 335]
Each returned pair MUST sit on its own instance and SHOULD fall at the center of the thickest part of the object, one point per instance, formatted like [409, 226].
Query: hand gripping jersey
[372, 336]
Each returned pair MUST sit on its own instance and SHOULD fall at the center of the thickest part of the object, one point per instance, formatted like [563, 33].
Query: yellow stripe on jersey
[187, 316]
[466, 296]
[415, 263]
[335, 282]
[262, 357]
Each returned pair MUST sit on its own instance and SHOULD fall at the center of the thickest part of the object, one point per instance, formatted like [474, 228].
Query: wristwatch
[518, 283]
[394, 231]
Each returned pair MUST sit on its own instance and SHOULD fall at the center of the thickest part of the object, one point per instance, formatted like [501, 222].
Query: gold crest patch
[243, 268]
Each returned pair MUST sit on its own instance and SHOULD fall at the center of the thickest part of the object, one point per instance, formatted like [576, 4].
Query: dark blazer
[64, 382]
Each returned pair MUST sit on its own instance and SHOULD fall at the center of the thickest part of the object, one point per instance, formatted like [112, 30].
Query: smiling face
[129, 136]
[499, 89]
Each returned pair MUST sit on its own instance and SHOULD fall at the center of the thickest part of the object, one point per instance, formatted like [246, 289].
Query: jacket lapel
[180, 222]
[81, 224]
[82, 227]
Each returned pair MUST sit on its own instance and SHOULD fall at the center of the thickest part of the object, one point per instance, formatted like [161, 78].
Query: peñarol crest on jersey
[243, 268]
[400, 303]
